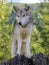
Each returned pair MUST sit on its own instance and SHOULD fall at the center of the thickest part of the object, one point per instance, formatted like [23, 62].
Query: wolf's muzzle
[20, 23]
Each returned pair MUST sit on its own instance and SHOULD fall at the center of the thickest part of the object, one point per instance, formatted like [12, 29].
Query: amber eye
[23, 15]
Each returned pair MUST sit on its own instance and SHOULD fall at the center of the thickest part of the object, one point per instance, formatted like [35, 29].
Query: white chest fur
[22, 32]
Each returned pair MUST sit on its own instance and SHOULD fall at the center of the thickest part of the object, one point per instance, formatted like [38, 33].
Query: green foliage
[4, 31]
[40, 33]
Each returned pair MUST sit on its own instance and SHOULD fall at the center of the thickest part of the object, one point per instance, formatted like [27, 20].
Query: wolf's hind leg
[23, 48]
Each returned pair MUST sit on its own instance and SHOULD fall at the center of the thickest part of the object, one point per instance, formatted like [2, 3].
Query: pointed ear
[15, 8]
[27, 8]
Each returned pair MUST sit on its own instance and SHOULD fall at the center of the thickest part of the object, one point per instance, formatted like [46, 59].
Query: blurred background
[40, 33]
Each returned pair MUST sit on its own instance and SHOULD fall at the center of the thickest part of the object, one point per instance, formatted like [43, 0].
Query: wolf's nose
[20, 23]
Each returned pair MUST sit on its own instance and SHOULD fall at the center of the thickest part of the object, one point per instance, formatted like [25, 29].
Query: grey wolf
[20, 37]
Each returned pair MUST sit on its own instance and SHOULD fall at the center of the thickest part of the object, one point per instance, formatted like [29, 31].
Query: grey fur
[21, 32]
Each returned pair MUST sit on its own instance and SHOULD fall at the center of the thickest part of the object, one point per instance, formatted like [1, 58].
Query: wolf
[22, 28]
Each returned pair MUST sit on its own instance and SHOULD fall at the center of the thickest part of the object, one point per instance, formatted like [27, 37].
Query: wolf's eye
[23, 15]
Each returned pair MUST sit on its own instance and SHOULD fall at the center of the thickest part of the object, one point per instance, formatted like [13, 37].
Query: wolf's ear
[27, 8]
[15, 8]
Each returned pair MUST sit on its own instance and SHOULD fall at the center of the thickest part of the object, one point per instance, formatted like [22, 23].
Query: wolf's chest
[23, 33]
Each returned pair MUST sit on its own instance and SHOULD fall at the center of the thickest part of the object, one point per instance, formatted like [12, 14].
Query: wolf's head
[22, 15]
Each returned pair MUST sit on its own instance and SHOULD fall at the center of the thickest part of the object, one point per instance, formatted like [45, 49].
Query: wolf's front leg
[13, 49]
[28, 54]
[19, 46]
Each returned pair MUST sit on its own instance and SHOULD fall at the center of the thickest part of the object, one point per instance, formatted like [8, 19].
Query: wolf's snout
[20, 23]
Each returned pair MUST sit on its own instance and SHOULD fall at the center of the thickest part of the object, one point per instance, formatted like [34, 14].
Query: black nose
[20, 23]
